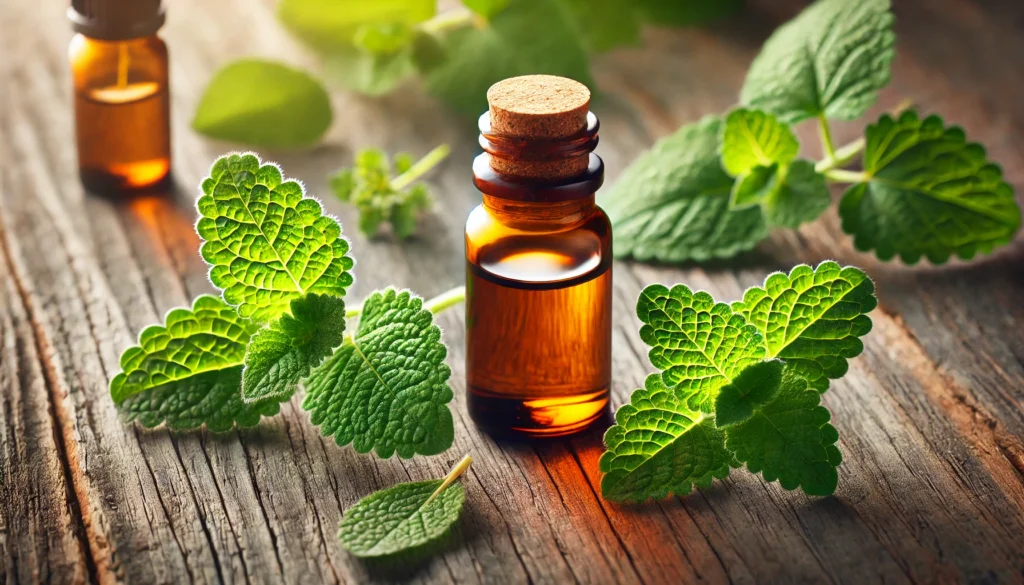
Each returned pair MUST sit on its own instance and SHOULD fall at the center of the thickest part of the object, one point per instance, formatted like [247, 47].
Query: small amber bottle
[539, 257]
[122, 110]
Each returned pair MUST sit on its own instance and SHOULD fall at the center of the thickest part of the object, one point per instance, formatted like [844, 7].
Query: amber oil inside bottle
[538, 292]
[122, 112]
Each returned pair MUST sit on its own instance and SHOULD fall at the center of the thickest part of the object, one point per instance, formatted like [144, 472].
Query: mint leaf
[751, 138]
[700, 345]
[525, 38]
[331, 25]
[606, 24]
[659, 446]
[672, 203]
[188, 372]
[812, 318]
[754, 387]
[829, 61]
[790, 440]
[213, 398]
[266, 242]
[206, 338]
[799, 195]
[754, 187]
[406, 518]
[386, 387]
[382, 197]
[928, 192]
[283, 353]
[486, 8]
[263, 103]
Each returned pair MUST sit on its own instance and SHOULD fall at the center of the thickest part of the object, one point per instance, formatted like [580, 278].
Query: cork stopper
[542, 107]
[116, 20]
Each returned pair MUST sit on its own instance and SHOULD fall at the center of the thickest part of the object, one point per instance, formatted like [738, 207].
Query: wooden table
[930, 416]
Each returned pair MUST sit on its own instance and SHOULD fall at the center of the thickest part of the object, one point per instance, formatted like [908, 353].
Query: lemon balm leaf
[830, 61]
[812, 318]
[330, 25]
[672, 203]
[659, 446]
[755, 386]
[207, 337]
[386, 388]
[266, 242]
[751, 138]
[927, 193]
[283, 353]
[405, 519]
[789, 439]
[263, 103]
[699, 345]
[188, 372]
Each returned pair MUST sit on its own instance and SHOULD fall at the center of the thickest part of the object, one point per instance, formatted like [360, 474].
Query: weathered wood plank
[929, 490]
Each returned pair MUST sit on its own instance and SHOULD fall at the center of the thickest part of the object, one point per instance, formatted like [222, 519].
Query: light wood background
[930, 416]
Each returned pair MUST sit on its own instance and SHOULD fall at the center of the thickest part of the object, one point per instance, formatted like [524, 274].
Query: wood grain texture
[930, 416]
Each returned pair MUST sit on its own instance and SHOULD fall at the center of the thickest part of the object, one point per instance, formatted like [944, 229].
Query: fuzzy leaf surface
[698, 344]
[929, 193]
[812, 318]
[659, 446]
[386, 389]
[207, 337]
[281, 354]
[790, 440]
[831, 60]
[523, 39]
[267, 243]
[754, 387]
[672, 203]
[264, 103]
[400, 519]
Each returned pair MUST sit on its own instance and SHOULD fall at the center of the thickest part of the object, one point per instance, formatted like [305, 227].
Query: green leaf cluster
[371, 47]
[283, 269]
[716, 187]
[739, 385]
[386, 192]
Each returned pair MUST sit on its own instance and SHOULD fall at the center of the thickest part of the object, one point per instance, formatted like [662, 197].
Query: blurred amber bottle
[122, 109]
[538, 254]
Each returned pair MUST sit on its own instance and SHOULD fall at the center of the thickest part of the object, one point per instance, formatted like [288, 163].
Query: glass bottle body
[122, 112]
[538, 314]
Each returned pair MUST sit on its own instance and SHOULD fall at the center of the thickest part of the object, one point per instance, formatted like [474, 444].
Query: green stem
[844, 176]
[445, 300]
[826, 137]
[846, 153]
[435, 305]
[453, 475]
[446, 21]
[421, 167]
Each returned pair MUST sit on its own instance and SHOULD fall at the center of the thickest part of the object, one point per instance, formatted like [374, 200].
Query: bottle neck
[543, 215]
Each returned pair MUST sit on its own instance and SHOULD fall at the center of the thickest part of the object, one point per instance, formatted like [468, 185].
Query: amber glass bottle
[538, 254]
[122, 109]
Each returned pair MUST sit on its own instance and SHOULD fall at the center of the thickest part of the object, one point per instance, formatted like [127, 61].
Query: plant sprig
[923, 190]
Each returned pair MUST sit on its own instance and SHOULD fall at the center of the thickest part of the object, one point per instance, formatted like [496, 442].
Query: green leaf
[281, 354]
[700, 345]
[659, 446]
[751, 138]
[263, 103]
[526, 38]
[830, 61]
[212, 398]
[386, 388]
[686, 12]
[188, 372]
[928, 193]
[812, 318]
[406, 518]
[206, 338]
[672, 203]
[331, 25]
[382, 197]
[800, 195]
[266, 242]
[754, 387]
[606, 24]
[486, 8]
[383, 39]
[754, 187]
[368, 73]
[790, 440]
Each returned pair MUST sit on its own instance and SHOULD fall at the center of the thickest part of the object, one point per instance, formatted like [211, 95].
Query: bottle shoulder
[482, 223]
